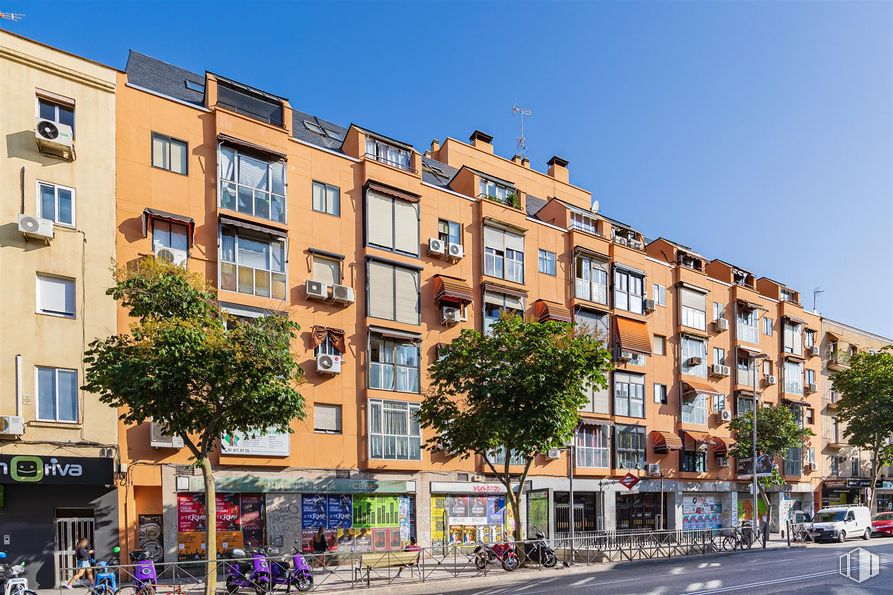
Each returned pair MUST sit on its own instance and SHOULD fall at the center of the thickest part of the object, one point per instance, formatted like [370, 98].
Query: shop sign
[886, 485]
[858, 483]
[629, 480]
[334, 485]
[464, 487]
[835, 483]
[268, 444]
[46, 470]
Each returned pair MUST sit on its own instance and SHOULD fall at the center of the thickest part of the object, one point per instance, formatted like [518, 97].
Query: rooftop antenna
[815, 295]
[522, 141]
[11, 16]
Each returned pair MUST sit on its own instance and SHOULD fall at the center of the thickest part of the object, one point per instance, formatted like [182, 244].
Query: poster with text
[340, 511]
[376, 511]
[252, 521]
[745, 508]
[314, 511]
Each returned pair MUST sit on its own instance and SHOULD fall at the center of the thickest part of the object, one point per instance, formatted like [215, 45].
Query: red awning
[700, 437]
[721, 446]
[150, 215]
[665, 441]
[544, 310]
[450, 289]
[693, 386]
[633, 335]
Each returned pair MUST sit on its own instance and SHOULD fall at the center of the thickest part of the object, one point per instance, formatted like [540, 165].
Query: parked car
[841, 522]
[882, 524]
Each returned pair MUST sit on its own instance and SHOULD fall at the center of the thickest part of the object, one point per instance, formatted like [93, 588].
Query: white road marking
[582, 582]
[760, 584]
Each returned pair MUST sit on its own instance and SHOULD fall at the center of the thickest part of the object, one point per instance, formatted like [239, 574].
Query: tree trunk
[515, 502]
[210, 526]
[875, 471]
[765, 528]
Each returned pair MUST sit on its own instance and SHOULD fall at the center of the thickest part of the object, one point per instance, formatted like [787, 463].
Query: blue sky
[756, 132]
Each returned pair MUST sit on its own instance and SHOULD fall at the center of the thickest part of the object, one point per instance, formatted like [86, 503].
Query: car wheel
[841, 537]
[867, 535]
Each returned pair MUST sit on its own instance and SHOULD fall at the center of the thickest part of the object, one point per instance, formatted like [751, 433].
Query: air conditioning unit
[811, 388]
[694, 361]
[436, 246]
[649, 305]
[12, 426]
[813, 351]
[722, 461]
[652, 469]
[720, 325]
[54, 138]
[35, 227]
[478, 478]
[625, 356]
[316, 290]
[769, 379]
[455, 251]
[725, 415]
[342, 294]
[450, 315]
[719, 370]
[328, 364]
[158, 438]
[554, 453]
[171, 255]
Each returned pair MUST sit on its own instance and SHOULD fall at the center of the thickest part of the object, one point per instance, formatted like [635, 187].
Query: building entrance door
[72, 524]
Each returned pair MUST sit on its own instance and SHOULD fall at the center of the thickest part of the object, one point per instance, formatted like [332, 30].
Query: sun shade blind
[407, 296]
[380, 219]
[514, 242]
[327, 418]
[56, 295]
[406, 226]
[693, 299]
[633, 335]
[381, 290]
[494, 238]
[326, 270]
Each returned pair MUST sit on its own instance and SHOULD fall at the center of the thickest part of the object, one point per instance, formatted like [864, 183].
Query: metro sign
[629, 480]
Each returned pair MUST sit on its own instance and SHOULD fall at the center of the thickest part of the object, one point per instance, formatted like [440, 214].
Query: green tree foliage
[519, 388]
[866, 407]
[180, 367]
[777, 431]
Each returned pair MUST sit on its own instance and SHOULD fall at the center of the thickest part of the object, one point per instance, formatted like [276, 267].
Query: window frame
[658, 340]
[623, 286]
[589, 289]
[504, 260]
[550, 260]
[600, 453]
[382, 156]
[502, 310]
[44, 312]
[411, 408]
[339, 417]
[56, 105]
[393, 204]
[660, 396]
[325, 193]
[168, 140]
[639, 451]
[37, 391]
[54, 218]
[618, 384]
[446, 236]
[394, 267]
[659, 294]
[685, 345]
[156, 223]
[235, 183]
[394, 343]
[237, 234]
[695, 410]
[578, 222]
[767, 326]
[693, 461]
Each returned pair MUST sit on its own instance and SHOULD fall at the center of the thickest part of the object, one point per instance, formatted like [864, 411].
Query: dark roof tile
[161, 77]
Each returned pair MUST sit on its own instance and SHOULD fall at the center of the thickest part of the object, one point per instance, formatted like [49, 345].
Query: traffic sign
[629, 480]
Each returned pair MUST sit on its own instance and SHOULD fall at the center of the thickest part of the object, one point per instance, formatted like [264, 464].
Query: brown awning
[450, 289]
[693, 386]
[633, 335]
[748, 305]
[150, 215]
[512, 291]
[665, 441]
[721, 446]
[393, 192]
[244, 143]
[591, 253]
[699, 437]
[336, 337]
[795, 320]
[544, 310]
[800, 402]
[273, 231]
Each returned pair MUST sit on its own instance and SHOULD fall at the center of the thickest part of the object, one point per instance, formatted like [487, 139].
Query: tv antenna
[815, 295]
[11, 16]
[522, 140]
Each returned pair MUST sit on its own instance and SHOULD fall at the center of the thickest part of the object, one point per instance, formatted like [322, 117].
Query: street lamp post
[753, 467]
[570, 507]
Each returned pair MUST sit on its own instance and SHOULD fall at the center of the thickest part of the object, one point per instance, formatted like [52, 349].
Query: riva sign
[46, 470]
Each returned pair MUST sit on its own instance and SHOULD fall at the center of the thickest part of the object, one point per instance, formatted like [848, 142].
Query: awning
[150, 215]
[512, 291]
[795, 401]
[721, 446]
[395, 334]
[693, 287]
[665, 441]
[392, 192]
[544, 310]
[505, 225]
[693, 386]
[249, 145]
[589, 421]
[699, 437]
[748, 349]
[450, 289]
[581, 250]
[272, 231]
[795, 320]
[633, 335]
[797, 356]
[748, 305]
[336, 337]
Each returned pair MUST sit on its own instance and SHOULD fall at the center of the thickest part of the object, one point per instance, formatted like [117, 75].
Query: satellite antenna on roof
[11, 16]
[522, 141]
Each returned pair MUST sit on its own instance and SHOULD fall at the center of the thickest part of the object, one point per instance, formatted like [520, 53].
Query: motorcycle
[105, 580]
[297, 575]
[240, 573]
[485, 554]
[145, 577]
[540, 552]
[11, 578]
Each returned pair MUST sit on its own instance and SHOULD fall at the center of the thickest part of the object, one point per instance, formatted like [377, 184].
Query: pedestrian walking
[83, 555]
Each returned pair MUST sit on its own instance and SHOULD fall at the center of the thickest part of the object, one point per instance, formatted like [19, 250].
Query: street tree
[777, 430]
[515, 390]
[866, 408]
[182, 368]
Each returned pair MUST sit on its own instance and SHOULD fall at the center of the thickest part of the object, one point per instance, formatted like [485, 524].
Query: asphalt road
[812, 569]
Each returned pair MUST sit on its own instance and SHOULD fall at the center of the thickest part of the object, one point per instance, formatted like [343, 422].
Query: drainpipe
[18, 385]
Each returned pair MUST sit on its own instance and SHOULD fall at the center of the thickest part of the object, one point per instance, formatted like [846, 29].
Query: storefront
[589, 514]
[468, 512]
[837, 492]
[240, 523]
[357, 522]
[640, 510]
[48, 503]
[885, 496]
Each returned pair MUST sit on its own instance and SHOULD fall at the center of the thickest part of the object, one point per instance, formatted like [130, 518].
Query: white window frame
[793, 377]
[596, 451]
[331, 195]
[388, 153]
[748, 326]
[660, 393]
[394, 293]
[396, 368]
[339, 419]
[45, 312]
[719, 356]
[547, 262]
[694, 408]
[37, 393]
[625, 283]
[767, 326]
[583, 222]
[234, 182]
[507, 263]
[502, 309]
[593, 285]
[629, 396]
[659, 294]
[54, 218]
[56, 104]
[794, 331]
[271, 240]
[411, 409]
[694, 347]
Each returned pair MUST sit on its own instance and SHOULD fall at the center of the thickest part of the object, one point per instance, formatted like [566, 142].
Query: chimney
[482, 141]
[558, 169]
[517, 159]
[435, 146]
[526, 162]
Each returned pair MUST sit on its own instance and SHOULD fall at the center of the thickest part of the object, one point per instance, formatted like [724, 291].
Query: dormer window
[741, 278]
[389, 154]
[583, 222]
[499, 193]
[689, 261]
[788, 296]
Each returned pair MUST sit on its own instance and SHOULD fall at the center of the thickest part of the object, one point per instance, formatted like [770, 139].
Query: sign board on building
[53, 470]
[764, 467]
[629, 480]
[333, 485]
[266, 444]
[466, 487]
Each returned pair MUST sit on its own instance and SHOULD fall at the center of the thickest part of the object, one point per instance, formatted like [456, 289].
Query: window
[591, 279]
[793, 461]
[835, 466]
[57, 394]
[495, 304]
[746, 370]
[767, 326]
[659, 294]
[793, 338]
[584, 222]
[393, 364]
[547, 262]
[389, 154]
[694, 356]
[767, 367]
[252, 264]
[629, 394]
[719, 356]
[499, 192]
[718, 311]
[747, 326]
[810, 416]
[169, 153]
[55, 296]
[628, 290]
[592, 446]
[660, 394]
[56, 203]
[497, 457]
[249, 102]
[743, 404]
[327, 418]
[194, 86]
[56, 112]
[252, 185]
[810, 456]
[449, 232]
[793, 377]
[393, 292]
[855, 467]
[658, 345]
[169, 235]
[629, 447]
[810, 376]
[788, 296]
[503, 254]
[694, 461]
[392, 223]
[326, 348]
[835, 431]
[719, 403]
[596, 323]
[694, 408]
[326, 198]
[394, 431]
[809, 339]
[694, 308]
[326, 270]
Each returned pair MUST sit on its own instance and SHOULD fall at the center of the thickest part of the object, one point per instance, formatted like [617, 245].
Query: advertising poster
[745, 508]
[269, 444]
[314, 511]
[151, 535]
[340, 511]
[190, 545]
[537, 513]
[252, 521]
[407, 518]
[495, 510]
[228, 515]
[438, 519]
[376, 511]
[701, 512]
[191, 514]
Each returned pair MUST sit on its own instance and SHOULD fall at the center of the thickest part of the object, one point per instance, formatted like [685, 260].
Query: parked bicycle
[11, 578]
[740, 537]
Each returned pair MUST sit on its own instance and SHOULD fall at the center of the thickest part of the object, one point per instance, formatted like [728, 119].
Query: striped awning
[693, 386]
[633, 335]
[544, 310]
[451, 289]
[700, 437]
[721, 446]
[665, 441]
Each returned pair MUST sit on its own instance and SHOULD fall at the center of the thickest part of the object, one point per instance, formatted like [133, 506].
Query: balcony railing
[512, 199]
[838, 359]
[252, 201]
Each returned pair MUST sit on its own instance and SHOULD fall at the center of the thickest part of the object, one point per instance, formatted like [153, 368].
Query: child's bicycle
[11, 578]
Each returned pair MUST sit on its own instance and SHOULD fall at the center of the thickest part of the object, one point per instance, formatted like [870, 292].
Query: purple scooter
[241, 574]
[298, 576]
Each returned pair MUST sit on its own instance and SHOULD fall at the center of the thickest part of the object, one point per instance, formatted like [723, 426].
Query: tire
[841, 537]
[729, 543]
[549, 559]
[510, 562]
[867, 535]
[230, 588]
[480, 560]
[103, 587]
[127, 590]
[304, 583]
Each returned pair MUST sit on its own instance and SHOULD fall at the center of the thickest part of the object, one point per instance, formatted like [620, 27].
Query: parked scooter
[145, 576]
[485, 554]
[296, 574]
[539, 551]
[11, 578]
[105, 580]
[242, 573]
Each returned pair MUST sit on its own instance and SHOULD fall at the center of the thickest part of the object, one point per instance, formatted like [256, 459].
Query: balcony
[252, 201]
[391, 155]
[508, 199]
[838, 361]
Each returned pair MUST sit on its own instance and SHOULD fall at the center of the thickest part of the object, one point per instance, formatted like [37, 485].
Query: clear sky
[757, 132]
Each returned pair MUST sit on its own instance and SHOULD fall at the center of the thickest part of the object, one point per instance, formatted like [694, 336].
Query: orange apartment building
[381, 253]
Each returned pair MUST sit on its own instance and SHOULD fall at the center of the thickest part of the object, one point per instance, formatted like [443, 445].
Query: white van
[841, 522]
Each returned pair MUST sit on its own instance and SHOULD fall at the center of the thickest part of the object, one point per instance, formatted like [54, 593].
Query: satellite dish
[594, 207]
[47, 130]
